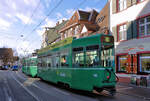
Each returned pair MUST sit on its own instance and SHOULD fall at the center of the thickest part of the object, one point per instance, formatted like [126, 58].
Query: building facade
[81, 24]
[130, 25]
[103, 19]
[51, 34]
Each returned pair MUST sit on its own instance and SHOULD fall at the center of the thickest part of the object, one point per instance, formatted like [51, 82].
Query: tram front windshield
[107, 55]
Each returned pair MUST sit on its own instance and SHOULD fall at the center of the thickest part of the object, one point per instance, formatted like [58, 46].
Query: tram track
[8, 94]
[25, 88]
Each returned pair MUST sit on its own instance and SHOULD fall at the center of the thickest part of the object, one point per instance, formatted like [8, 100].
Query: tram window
[92, 58]
[64, 61]
[49, 64]
[92, 55]
[78, 59]
[33, 63]
[107, 56]
[49, 61]
[56, 61]
[44, 63]
[39, 62]
[43, 60]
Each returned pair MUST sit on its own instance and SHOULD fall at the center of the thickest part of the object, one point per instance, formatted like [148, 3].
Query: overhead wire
[79, 5]
[37, 6]
[33, 12]
[51, 11]
[76, 8]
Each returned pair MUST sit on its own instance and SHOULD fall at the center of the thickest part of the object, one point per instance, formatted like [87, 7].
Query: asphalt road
[15, 86]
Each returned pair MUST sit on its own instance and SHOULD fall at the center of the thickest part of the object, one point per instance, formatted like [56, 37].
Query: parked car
[4, 67]
[15, 68]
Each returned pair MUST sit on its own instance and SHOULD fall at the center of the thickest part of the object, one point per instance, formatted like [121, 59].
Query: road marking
[6, 94]
[7, 91]
[25, 88]
[65, 93]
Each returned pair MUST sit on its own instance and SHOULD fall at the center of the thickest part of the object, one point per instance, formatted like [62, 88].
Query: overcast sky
[16, 23]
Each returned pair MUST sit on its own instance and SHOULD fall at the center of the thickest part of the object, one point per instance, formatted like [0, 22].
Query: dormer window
[76, 30]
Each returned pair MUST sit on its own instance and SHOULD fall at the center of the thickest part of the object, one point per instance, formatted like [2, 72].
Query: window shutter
[114, 6]
[114, 29]
[129, 3]
[134, 2]
[129, 30]
[134, 23]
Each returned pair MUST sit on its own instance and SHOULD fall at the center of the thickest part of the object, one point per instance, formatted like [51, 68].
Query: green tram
[84, 64]
[30, 66]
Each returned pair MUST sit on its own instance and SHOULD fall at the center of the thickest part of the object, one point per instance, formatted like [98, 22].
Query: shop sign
[133, 50]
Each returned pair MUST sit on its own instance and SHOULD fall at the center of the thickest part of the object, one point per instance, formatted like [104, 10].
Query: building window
[122, 4]
[66, 34]
[76, 30]
[122, 63]
[122, 32]
[100, 19]
[70, 31]
[145, 63]
[144, 26]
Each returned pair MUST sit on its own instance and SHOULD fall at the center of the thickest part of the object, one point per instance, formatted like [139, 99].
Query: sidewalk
[133, 90]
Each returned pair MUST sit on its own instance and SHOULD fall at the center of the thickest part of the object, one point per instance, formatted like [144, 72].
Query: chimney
[63, 20]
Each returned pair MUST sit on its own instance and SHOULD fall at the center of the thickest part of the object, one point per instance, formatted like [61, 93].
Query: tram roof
[93, 39]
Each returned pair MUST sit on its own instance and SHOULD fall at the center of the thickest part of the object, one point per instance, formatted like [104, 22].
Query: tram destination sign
[107, 39]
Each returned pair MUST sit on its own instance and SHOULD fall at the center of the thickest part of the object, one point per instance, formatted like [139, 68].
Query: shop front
[144, 63]
[127, 64]
[133, 60]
